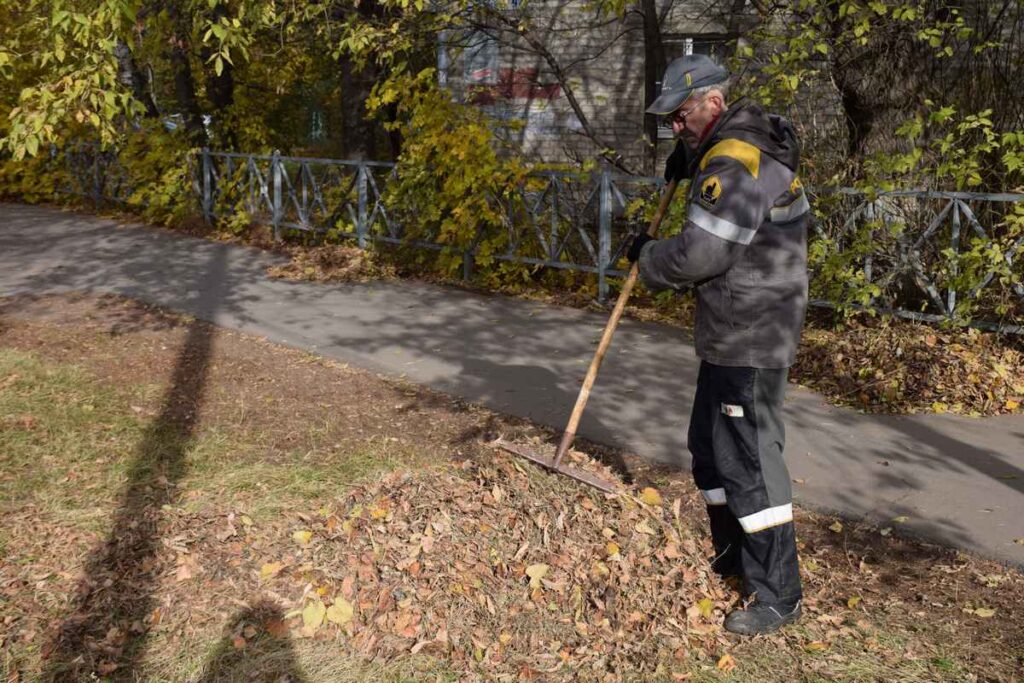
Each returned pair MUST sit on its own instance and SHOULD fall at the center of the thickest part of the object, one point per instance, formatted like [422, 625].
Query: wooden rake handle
[609, 330]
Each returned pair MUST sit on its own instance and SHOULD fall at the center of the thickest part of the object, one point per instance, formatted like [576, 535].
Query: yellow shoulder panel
[743, 152]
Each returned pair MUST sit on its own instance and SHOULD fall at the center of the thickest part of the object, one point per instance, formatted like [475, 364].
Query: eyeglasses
[679, 115]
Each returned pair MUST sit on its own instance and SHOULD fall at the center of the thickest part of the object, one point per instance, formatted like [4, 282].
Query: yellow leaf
[939, 407]
[853, 602]
[837, 527]
[340, 612]
[313, 615]
[727, 663]
[706, 607]
[644, 528]
[536, 572]
[270, 569]
[612, 548]
[650, 496]
[816, 646]
[985, 612]
[900, 520]
[302, 537]
[1011, 404]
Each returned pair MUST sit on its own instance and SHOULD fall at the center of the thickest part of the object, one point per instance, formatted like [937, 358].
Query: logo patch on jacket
[710, 191]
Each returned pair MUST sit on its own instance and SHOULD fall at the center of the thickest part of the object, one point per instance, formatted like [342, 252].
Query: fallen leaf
[302, 537]
[837, 527]
[985, 612]
[650, 496]
[612, 549]
[816, 646]
[726, 663]
[270, 569]
[313, 615]
[340, 612]
[1012, 405]
[238, 642]
[1019, 541]
[536, 572]
[277, 628]
[853, 602]
[900, 520]
[706, 607]
[886, 531]
[644, 528]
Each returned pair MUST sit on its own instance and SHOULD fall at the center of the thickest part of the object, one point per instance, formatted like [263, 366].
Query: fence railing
[583, 222]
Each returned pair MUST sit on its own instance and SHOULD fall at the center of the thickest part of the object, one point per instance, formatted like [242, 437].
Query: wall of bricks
[603, 62]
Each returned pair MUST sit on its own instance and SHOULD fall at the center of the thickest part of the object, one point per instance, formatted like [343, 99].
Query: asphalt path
[957, 480]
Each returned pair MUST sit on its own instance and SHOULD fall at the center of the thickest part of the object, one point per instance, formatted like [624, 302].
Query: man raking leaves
[744, 249]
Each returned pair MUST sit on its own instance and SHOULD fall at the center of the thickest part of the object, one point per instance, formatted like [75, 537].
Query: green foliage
[157, 162]
[453, 187]
[36, 179]
[73, 45]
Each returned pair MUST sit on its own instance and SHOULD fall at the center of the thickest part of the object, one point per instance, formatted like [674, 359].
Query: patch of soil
[273, 390]
[478, 558]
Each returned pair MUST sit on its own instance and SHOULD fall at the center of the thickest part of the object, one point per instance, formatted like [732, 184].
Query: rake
[555, 464]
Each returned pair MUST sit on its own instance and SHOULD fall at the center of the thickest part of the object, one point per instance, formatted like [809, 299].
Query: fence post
[604, 235]
[362, 229]
[96, 190]
[275, 165]
[204, 170]
[954, 270]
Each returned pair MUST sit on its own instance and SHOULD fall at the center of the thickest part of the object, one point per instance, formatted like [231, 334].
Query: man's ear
[716, 97]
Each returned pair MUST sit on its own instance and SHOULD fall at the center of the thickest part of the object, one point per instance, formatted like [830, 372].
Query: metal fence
[558, 220]
[909, 241]
[93, 173]
[912, 244]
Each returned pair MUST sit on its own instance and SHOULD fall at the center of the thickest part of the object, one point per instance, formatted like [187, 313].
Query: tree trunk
[130, 77]
[654, 68]
[221, 88]
[184, 81]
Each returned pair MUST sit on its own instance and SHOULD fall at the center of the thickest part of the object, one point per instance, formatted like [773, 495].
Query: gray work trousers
[736, 436]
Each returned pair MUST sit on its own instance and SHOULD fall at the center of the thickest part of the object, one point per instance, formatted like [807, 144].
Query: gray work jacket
[744, 245]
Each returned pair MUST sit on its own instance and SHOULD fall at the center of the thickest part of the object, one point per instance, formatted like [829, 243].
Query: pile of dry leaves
[509, 572]
[901, 367]
[332, 263]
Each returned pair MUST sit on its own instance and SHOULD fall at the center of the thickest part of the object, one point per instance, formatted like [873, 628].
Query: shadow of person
[106, 629]
[255, 647]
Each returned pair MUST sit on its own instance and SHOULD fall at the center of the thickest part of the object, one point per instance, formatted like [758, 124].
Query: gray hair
[722, 87]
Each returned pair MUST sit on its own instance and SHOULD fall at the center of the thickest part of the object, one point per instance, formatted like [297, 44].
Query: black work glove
[679, 165]
[638, 243]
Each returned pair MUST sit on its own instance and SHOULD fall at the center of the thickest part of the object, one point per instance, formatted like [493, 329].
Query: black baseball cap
[682, 77]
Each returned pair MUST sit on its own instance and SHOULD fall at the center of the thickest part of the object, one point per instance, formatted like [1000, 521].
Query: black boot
[760, 618]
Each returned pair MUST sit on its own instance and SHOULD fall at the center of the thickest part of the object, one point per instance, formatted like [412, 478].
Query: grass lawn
[182, 503]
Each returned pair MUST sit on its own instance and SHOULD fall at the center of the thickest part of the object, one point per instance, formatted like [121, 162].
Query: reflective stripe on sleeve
[765, 519]
[713, 496]
[798, 207]
[719, 226]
